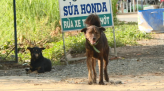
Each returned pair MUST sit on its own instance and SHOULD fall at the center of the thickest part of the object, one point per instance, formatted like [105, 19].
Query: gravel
[133, 60]
[77, 73]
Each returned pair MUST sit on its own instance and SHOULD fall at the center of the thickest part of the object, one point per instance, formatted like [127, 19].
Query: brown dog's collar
[94, 46]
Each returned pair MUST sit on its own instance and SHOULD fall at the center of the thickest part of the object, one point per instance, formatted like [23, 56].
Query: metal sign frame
[15, 32]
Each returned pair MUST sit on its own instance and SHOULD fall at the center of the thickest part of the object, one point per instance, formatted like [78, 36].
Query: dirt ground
[129, 83]
[139, 68]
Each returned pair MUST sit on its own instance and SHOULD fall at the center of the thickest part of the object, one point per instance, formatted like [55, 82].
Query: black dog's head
[93, 33]
[36, 52]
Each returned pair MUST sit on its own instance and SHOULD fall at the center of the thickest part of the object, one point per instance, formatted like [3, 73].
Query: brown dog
[96, 48]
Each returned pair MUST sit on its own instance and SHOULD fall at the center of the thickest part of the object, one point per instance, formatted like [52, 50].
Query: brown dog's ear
[84, 30]
[102, 28]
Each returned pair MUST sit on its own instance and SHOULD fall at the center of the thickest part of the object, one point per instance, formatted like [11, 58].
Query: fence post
[127, 6]
[123, 6]
[130, 7]
[142, 4]
[133, 5]
[137, 5]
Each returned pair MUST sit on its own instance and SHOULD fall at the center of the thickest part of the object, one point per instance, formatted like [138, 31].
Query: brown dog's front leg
[101, 71]
[89, 65]
[93, 69]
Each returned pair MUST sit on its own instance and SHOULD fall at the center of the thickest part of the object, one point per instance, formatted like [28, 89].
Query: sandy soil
[148, 82]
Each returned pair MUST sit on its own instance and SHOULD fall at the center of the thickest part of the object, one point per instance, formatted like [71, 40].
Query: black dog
[38, 62]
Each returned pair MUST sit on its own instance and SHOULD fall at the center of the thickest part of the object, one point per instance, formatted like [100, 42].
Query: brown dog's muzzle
[94, 39]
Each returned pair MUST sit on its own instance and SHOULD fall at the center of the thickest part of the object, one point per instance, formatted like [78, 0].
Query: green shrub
[34, 17]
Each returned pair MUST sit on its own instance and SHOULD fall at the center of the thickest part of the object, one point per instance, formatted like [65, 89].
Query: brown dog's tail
[93, 19]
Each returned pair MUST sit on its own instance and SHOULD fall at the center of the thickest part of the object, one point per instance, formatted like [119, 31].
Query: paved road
[128, 17]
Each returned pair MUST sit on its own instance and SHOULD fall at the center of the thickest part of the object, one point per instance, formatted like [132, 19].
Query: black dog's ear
[84, 30]
[29, 48]
[102, 28]
[42, 48]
